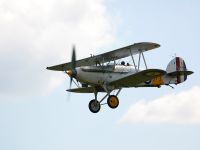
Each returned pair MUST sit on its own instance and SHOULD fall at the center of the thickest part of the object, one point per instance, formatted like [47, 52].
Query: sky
[35, 110]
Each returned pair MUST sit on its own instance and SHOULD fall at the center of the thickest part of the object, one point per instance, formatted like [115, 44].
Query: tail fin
[177, 68]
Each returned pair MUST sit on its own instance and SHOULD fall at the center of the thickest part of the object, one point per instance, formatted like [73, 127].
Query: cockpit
[124, 64]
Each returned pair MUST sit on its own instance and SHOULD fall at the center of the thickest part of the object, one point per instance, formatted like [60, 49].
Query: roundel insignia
[148, 82]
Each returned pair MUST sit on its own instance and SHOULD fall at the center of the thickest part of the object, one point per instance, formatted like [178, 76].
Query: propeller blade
[73, 60]
[72, 69]
[73, 64]
[70, 83]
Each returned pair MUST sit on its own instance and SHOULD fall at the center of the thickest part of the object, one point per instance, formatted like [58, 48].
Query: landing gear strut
[112, 101]
[94, 105]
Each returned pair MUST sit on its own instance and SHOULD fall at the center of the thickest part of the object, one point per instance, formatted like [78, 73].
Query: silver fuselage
[97, 75]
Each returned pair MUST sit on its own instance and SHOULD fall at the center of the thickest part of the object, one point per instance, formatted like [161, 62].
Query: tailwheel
[94, 106]
[113, 101]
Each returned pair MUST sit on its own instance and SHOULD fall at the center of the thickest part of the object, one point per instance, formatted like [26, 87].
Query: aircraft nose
[71, 73]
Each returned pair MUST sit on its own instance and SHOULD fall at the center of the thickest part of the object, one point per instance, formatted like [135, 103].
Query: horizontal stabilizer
[177, 73]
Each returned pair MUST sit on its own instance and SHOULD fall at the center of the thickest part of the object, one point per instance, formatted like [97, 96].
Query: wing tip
[51, 68]
[55, 68]
[156, 45]
[147, 45]
[48, 68]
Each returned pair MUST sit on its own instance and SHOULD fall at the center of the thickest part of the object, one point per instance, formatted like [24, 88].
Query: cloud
[181, 108]
[40, 33]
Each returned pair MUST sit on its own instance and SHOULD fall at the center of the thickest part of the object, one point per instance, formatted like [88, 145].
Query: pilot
[123, 63]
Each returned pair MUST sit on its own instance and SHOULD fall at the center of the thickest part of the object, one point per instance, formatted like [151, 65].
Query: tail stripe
[184, 68]
[178, 68]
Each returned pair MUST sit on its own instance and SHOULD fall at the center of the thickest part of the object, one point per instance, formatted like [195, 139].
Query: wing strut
[139, 59]
[133, 60]
[144, 60]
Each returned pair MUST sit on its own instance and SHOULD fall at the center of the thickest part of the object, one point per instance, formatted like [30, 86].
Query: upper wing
[109, 56]
[138, 78]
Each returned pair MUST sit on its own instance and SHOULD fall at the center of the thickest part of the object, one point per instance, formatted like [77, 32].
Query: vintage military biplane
[101, 73]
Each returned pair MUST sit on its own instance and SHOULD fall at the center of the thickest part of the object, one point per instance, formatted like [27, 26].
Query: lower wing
[137, 78]
[86, 90]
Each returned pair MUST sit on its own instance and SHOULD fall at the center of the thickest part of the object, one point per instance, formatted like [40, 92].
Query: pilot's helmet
[123, 63]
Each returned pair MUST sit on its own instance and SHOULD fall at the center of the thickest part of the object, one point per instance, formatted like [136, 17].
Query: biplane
[101, 73]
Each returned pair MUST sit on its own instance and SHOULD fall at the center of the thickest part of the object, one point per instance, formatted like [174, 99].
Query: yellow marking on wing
[157, 81]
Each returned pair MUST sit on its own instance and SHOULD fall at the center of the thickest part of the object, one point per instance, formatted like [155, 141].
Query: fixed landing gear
[112, 101]
[94, 106]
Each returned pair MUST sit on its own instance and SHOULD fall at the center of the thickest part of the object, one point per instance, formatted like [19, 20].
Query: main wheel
[113, 101]
[94, 106]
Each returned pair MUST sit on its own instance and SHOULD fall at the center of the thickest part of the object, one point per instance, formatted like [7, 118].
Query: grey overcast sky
[34, 111]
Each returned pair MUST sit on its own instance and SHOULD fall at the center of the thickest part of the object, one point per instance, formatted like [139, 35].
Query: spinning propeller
[72, 71]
